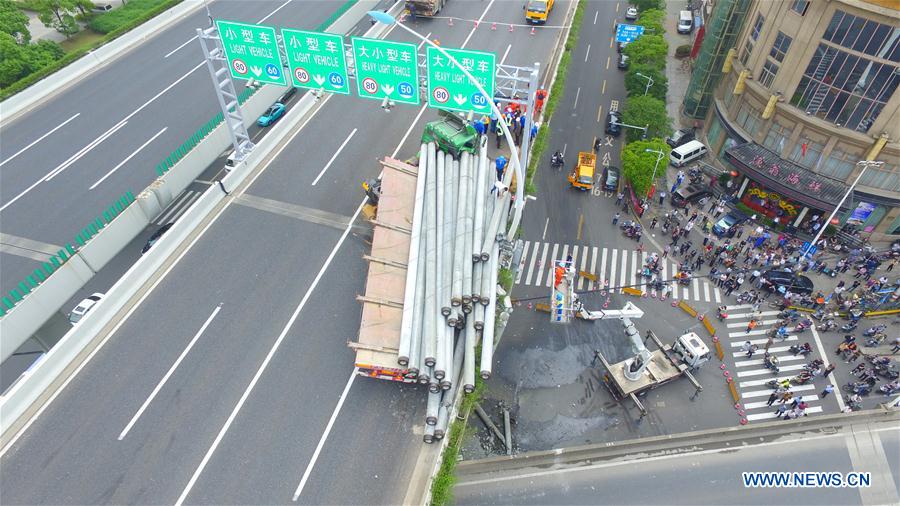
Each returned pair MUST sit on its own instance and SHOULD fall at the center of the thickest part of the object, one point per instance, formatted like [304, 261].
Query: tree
[635, 84]
[58, 14]
[20, 60]
[653, 21]
[14, 22]
[644, 110]
[643, 5]
[638, 163]
[648, 49]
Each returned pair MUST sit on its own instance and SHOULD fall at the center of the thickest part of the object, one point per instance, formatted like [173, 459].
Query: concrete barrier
[46, 376]
[37, 93]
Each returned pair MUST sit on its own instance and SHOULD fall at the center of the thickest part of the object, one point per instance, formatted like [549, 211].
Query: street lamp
[387, 19]
[865, 164]
[649, 81]
[659, 156]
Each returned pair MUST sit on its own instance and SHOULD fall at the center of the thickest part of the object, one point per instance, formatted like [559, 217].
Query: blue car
[271, 115]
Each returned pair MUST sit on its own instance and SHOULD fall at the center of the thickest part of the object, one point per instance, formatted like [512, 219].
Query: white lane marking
[634, 268]
[565, 253]
[757, 362]
[548, 268]
[408, 130]
[706, 291]
[318, 450]
[763, 404]
[735, 344]
[566, 145]
[587, 53]
[39, 139]
[757, 372]
[664, 270]
[334, 156]
[269, 15]
[170, 53]
[584, 257]
[744, 324]
[534, 262]
[267, 360]
[756, 383]
[83, 151]
[123, 162]
[767, 392]
[623, 273]
[739, 306]
[674, 283]
[821, 349]
[776, 349]
[594, 254]
[175, 212]
[748, 315]
[696, 289]
[522, 261]
[172, 207]
[546, 224]
[168, 374]
[480, 19]
[595, 16]
[577, 94]
[717, 295]
[743, 334]
[612, 269]
[771, 414]
[505, 54]
[72, 159]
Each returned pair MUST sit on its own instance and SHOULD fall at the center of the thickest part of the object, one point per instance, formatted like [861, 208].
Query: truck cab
[582, 177]
[537, 11]
[692, 350]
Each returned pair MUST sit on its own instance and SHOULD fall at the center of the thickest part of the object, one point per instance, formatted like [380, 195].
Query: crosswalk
[617, 266]
[751, 375]
[178, 206]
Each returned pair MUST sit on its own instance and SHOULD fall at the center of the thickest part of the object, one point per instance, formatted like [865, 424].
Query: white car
[83, 307]
[631, 14]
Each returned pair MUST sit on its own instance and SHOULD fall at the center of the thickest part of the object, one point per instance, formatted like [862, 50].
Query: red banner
[697, 41]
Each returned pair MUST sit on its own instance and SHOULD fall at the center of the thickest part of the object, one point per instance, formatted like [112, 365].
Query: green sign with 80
[252, 52]
[386, 69]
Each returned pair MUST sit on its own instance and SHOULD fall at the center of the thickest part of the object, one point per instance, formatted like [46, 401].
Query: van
[101, 8]
[687, 153]
[685, 22]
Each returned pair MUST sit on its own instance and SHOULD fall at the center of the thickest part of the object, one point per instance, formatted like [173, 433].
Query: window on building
[800, 6]
[746, 52]
[748, 119]
[807, 153]
[776, 137]
[866, 36]
[714, 135]
[757, 27]
[844, 88]
[838, 165]
[886, 177]
[767, 74]
[780, 47]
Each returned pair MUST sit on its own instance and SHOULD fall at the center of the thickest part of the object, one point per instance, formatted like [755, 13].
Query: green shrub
[126, 15]
[683, 51]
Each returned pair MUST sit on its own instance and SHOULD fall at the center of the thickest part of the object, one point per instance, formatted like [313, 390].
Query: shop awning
[786, 177]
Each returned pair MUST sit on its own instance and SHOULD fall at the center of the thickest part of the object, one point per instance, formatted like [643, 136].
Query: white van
[102, 8]
[687, 153]
[685, 22]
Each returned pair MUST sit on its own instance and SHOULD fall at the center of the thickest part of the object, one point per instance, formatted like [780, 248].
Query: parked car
[620, 46]
[622, 62]
[728, 224]
[101, 8]
[680, 137]
[613, 121]
[156, 236]
[287, 95]
[77, 313]
[271, 115]
[631, 13]
[611, 179]
[691, 194]
[785, 280]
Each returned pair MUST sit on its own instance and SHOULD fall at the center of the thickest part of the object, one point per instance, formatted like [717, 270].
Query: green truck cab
[451, 134]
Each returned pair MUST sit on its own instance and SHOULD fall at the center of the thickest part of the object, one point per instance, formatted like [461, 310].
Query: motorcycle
[827, 325]
[695, 175]
[849, 327]
[802, 378]
[871, 331]
[875, 360]
[771, 362]
[791, 314]
[556, 161]
[890, 388]
[776, 384]
[744, 298]
[802, 325]
[803, 349]
[854, 405]
[887, 372]
[859, 388]
[854, 314]
[875, 340]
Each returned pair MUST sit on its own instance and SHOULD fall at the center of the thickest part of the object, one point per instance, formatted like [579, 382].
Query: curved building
[793, 95]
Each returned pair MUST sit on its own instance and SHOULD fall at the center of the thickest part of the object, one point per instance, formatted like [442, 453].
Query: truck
[424, 8]
[582, 176]
[538, 11]
[451, 134]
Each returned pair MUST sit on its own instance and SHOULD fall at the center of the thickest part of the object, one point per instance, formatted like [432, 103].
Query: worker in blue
[479, 127]
[501, 164]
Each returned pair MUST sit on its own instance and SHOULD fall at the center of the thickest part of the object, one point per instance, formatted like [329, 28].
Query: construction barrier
[588, 276]
[719, 352]
[883, 313]
[632, 291]
[687, 308]
[734, 392]
[709, 327]
[542, 307]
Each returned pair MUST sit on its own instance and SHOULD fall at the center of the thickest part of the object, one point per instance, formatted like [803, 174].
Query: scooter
[879, 360]
[890, 388]
[802, 350]
[556, 161]
[875, 340]
[859, 388]
[887, 372]
[771, 362]
[849, 327]
[814, 365]
[791, 314]
[802, 378]
[871, 331]
[827, 325]
[803, 325]
[854, 314]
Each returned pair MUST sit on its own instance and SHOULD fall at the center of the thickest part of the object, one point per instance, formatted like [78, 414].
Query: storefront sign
[861, 213]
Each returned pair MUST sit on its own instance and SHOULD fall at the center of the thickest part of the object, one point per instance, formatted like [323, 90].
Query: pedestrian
[666, 250]
[828, 370]
[787, 397]
[797, 401]
[751, 325]
[828, 389]
[896, 347]
[858, 369]
[752, 350]
[615, 219]
[653, 222]
[662, 199]
[854, 357]
[780, 411]
[769, 342]
[890, 266]
[772, 398]
[619, 198]
[501, 165]
[499, 137]
[746, 346]
[539, 100]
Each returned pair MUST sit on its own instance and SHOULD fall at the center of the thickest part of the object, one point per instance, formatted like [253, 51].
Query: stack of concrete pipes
[451, 283]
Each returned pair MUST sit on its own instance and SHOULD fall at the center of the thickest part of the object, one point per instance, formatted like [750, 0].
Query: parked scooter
[849, 327]
[802, 325]
[871, 331]
[875, 340]
[803, 349]
[827, 325]
[771, 362]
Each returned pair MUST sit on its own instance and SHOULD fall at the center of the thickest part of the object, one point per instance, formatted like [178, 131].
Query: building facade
[806, 91]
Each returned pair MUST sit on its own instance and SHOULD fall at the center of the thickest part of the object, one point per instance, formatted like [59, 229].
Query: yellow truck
[582, 177]
[537, 11]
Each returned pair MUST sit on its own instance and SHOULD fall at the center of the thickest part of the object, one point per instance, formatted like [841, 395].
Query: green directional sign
[252, 52]
[316, 60]
[448, 86]
[386, 69]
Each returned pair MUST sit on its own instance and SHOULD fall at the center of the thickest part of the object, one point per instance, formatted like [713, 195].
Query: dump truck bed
[379, 329]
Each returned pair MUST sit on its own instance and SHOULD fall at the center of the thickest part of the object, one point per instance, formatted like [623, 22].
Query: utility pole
[649, 82]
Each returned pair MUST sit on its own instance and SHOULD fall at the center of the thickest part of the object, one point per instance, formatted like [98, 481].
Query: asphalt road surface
[231, 382]
[125, 117]
[708, 476]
